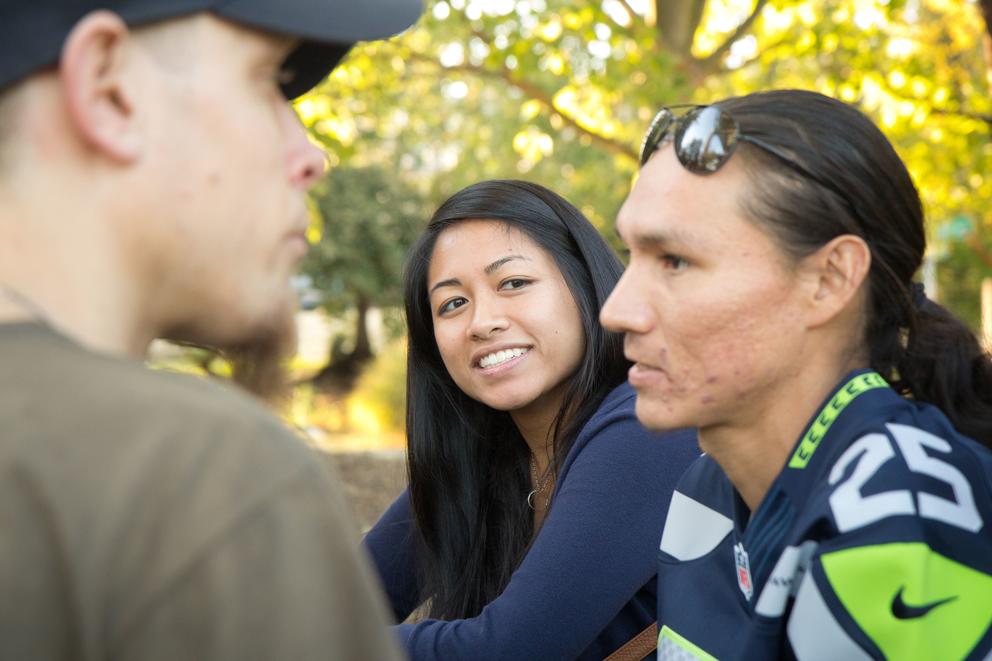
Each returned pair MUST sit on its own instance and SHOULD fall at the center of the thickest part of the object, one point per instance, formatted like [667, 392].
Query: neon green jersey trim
[840, 401]
[684, 644]
[911, 601]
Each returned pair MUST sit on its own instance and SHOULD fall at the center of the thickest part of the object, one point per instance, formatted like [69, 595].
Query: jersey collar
[860, 395]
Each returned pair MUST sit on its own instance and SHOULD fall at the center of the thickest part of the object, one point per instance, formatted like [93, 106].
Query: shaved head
[171, 44]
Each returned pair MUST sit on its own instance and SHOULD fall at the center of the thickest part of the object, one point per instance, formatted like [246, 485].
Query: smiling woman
[530, 526]
[507, 328]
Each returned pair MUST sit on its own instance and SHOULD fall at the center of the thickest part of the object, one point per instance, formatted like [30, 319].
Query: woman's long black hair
[469, 466]
[919, 347]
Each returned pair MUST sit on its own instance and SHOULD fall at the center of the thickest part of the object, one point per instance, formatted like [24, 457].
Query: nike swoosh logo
[904, 611]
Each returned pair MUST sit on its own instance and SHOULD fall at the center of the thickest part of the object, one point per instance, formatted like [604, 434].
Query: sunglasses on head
[705, 138]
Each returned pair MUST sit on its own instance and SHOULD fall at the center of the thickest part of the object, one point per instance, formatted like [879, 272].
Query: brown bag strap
[637, 647]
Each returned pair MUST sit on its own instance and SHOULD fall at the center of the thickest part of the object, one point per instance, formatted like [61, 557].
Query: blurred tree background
[366, 218]
[560, 93]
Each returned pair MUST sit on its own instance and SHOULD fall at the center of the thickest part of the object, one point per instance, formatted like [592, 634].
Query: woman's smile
[495, 357]
[506, 362]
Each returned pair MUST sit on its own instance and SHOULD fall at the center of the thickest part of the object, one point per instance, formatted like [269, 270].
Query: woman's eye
[514, 283]
[453, 304]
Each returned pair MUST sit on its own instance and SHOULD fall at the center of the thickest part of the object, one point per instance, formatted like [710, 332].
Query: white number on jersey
[852, 510]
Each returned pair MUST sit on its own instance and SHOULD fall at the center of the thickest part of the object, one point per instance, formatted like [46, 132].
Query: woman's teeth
[498, 357]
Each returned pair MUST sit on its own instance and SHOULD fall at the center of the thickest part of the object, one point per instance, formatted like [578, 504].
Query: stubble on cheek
[753, 342]
[708, 397]
[720, 363]
[260, 363]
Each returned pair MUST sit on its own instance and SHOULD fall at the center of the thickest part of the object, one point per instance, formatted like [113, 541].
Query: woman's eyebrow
[501, 261]
[490, 269]
[450, 282]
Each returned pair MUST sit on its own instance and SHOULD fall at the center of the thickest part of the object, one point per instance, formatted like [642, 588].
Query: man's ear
[839, 268]
[94, 78]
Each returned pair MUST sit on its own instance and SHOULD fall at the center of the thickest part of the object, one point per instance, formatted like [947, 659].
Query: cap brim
[327, 28]
[309, 64]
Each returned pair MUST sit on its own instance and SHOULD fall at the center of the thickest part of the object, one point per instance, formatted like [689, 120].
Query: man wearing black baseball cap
[152, 181]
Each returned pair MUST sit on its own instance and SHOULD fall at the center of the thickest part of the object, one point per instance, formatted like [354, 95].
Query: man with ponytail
[843, 509]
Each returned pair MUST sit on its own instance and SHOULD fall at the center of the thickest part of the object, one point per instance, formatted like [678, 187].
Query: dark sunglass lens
[706, 139]
[656, 132]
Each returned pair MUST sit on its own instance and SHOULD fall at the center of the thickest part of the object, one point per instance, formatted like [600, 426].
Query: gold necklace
[541, 483]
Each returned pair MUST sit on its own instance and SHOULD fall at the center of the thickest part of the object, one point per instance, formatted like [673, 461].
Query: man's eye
[285, 76]
[674, 262]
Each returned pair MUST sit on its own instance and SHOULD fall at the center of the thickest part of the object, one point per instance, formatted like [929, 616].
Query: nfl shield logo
[743, 571]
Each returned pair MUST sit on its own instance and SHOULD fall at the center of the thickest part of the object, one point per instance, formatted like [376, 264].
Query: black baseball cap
[32, 31]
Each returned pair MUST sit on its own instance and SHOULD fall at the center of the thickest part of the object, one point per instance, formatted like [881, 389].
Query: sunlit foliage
[560, 91]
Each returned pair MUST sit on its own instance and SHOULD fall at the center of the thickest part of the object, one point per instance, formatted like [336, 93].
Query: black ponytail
[944, 364]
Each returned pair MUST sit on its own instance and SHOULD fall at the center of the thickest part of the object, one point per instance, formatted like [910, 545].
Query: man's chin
[655, 415]
[257, 351]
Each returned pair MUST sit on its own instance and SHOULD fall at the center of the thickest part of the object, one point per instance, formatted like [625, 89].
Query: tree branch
[543, 97]
[982, 117]
[757, 58]
[632, 15]
[713, 59]
[986, 6]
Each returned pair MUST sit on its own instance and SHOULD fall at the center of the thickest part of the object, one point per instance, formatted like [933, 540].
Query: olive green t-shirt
[146, 515]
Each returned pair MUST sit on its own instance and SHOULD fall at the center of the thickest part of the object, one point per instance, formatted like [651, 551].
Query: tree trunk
[363, 347]
[339, 375]
[986, 6]
[677, 23]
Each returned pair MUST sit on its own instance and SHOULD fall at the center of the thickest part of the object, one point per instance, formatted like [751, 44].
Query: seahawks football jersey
[873, 542]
